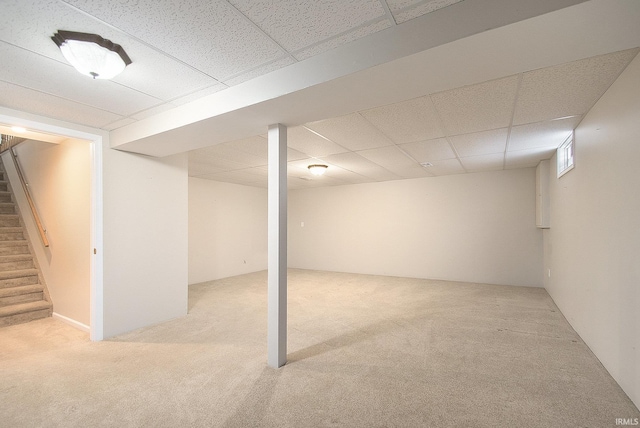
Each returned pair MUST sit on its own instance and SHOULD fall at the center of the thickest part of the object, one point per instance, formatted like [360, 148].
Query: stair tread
[24, 307]
[19, 273]
[22, 289]
[10, 229]
[15, 258]
[13, 243]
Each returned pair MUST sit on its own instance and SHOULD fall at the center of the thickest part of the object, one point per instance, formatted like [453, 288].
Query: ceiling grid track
[336, 36]
[394, 144]
[513, 114]
[390, 16]
[261, 31]
[346, 150]
[150, 46]
[446, 133]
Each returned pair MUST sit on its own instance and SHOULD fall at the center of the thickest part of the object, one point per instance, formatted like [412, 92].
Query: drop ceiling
[512, 122]
[466, 104]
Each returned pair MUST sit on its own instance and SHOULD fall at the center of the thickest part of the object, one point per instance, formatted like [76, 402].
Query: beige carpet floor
[364, 351]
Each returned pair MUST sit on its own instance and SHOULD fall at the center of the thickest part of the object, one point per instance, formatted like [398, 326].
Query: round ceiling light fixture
[92, 55]
[317, 169]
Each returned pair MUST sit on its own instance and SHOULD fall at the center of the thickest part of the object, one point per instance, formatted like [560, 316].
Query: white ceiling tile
[234, 180]
[217, 87]
[351, 131]
[430, 150]
[30, 70]
[259, 71]
[118, 124]
[480, 143]
[293, 155]
[142, 114]
[20, 98]
[305, 141]
[404, 10]
[388, 157]
[446, 167]
[490, 162]
[241, 176]
[305, 182]
[475, 108]
[408, 121]
[568, 89]
[356, 163]
[35, 21]
[159, 75]
[527, 158]
[199, 168]
[394, 160]
[229, 151]
[256, 146]
[342, 39]
[398, 5]
[346, 177]
[211, 164]
[549, 134]
[215, 157]
[414, 171]
[295, 24]
[218, 40]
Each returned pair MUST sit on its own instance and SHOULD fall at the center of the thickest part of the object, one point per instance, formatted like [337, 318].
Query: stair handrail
[32, 205]
[9, 141]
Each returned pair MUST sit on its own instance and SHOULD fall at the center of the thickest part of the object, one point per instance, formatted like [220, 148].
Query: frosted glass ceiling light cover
[92, 55]
[317, 169]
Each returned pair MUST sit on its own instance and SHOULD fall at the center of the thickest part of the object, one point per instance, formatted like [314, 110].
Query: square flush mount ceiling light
[92, 55]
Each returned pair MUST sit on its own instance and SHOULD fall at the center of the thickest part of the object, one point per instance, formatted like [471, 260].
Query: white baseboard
[72, 323]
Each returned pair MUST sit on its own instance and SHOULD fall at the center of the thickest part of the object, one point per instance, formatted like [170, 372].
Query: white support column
[277, 276]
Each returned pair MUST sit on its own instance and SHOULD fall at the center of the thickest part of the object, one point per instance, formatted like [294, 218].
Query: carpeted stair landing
[22, 296]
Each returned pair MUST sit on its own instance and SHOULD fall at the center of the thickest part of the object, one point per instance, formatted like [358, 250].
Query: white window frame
[566, 156]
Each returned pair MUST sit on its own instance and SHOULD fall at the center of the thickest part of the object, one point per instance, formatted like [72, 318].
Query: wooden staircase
[22, 295]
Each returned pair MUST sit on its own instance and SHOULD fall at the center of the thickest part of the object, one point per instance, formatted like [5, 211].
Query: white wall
[593, 246]
[145, 240]
[227, 230]
[472, 227]
[59, 178]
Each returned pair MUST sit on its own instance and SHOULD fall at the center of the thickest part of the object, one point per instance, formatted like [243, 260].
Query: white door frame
[98, 141]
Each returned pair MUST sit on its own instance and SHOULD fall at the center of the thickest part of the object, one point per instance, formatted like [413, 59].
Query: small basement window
[565, 156]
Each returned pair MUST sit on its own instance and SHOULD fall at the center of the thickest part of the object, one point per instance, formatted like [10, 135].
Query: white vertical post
[277, 274]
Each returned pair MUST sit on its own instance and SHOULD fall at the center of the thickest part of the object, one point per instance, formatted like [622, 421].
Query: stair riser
[16, 282]
[24, 317]
[21, 298]
[16, 249]
[7, 210]
[11, 236]
[9, 222]
[17, 265]
[5, 198]
[4, 187]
